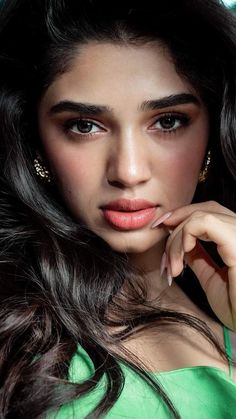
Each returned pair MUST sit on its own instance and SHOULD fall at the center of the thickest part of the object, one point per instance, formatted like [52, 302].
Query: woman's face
[121, 123]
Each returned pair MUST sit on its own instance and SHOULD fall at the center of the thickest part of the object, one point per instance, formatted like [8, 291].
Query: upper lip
[129, 204]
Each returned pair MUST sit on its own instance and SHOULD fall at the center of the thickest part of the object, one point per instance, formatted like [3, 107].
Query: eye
[82, 127]
[170, 122]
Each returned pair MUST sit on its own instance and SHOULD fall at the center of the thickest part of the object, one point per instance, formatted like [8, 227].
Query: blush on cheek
[72, 173]
[182, 178]
[71, 169]
[189, 160]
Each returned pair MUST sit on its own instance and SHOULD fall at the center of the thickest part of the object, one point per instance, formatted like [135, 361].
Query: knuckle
[210, 218]
[206, 216]
[198, 213]
[213, 204]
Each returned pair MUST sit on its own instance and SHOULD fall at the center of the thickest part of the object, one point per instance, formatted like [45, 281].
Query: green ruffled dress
[199, 392]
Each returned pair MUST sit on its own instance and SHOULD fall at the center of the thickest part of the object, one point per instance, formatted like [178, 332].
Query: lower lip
[129, 220]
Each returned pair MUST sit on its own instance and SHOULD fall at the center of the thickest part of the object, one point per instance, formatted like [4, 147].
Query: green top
[197, 392]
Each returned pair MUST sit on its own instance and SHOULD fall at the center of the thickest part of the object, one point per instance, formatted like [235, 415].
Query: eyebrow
[168, 101]
[92, 109]
[70, 106]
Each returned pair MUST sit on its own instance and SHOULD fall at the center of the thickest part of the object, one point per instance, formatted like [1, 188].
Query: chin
[138, 244]
[129, 248]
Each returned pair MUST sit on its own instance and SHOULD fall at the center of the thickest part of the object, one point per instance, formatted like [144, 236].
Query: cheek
[181, 172]
[72, 172]
[185, 167]
[77, 173]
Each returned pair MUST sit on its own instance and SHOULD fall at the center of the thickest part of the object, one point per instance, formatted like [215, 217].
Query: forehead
[106, 72]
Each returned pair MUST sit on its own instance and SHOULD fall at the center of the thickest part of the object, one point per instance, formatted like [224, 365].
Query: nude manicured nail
[161, 219]
[163, 263]
[169, 279]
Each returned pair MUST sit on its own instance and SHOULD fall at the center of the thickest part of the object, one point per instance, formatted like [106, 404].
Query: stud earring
[41, 170]
[203, 173]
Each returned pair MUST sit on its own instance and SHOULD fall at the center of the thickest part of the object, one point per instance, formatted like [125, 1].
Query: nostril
[116, 184]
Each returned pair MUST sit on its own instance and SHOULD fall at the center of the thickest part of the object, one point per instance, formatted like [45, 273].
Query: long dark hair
[60, 284]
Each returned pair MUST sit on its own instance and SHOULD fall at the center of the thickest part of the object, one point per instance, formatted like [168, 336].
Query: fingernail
[170, 279]
[161, 219]
[163, 263]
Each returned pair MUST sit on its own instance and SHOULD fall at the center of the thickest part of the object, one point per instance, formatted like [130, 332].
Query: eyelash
[182, 118]
[69, 124]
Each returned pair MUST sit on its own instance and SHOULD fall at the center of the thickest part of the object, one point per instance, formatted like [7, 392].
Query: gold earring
[41, 170]
[203, 173]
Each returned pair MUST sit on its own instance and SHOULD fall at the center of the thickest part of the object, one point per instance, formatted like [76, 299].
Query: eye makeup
[165, 124]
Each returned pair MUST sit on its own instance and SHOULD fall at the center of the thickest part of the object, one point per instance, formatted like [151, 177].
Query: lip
[124, 204]
[126, 214]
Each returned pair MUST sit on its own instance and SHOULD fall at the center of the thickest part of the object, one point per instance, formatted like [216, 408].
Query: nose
[129, 162]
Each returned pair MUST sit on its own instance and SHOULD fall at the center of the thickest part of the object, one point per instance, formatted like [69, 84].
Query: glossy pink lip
[129, 214]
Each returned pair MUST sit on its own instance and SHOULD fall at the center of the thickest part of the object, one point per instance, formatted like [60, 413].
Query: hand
[207, 221]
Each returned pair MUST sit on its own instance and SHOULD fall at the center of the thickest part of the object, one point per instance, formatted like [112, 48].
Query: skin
[131, 155]
[208, 221]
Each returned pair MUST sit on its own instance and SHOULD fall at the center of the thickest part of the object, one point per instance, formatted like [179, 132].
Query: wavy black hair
[60, 283]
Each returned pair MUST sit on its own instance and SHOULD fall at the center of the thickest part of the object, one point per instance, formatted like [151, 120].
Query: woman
[118, 223]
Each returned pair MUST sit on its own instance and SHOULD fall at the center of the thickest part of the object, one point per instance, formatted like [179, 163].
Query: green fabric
[196, 392]
[228, 350]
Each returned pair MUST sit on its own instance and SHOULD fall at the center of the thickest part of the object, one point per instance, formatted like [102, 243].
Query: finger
[180, 214]
[204, 267]
[176, 234]
[176, 249]
[219, 228]
[208, 227]
[216, 284]
[175, 254]
[211, 227]
[232, 286]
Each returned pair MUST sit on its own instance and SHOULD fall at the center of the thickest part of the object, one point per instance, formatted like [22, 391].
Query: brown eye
[170, 123]
[82, 127]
